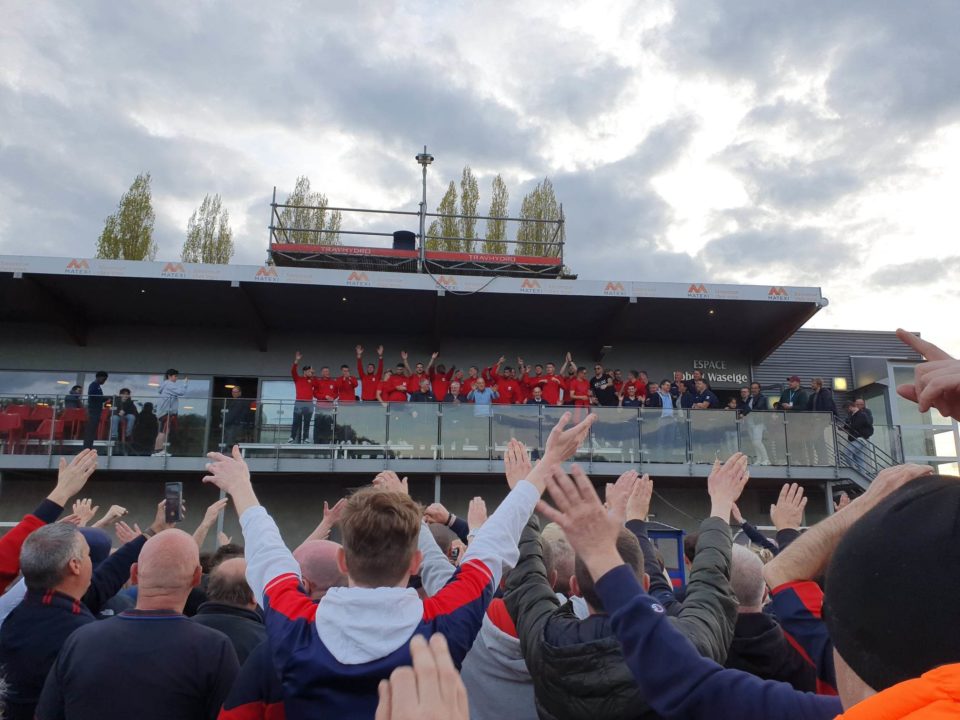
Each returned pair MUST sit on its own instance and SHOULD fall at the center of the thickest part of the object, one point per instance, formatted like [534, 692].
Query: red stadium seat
[11, 426]
[73, 419]
[48, 430]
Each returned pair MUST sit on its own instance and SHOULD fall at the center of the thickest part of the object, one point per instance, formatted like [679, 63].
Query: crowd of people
[417, 613]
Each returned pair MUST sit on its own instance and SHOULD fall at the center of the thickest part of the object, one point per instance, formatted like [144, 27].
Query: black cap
[893, 583]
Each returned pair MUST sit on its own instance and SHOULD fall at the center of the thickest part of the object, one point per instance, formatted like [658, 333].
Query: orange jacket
[935, 695]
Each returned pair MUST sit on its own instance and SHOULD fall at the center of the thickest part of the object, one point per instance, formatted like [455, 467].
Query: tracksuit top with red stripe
[552, 385]
[303, 384]
[369, 380]
[332, 655]
[347, 388]
[324, 387]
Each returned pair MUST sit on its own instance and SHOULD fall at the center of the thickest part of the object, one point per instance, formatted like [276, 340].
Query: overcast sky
[757, 141]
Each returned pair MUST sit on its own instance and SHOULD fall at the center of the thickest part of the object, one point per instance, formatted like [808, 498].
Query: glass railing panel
[616, 435]
[521, 422]
[663, 435]
[929, 441]
[552, 414]
[361, 430]
[465, 431]
[763, 437]
[713, 435]
[810, 440]
[412, 430]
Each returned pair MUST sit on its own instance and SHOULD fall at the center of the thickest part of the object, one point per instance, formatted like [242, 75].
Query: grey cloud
[916, 272]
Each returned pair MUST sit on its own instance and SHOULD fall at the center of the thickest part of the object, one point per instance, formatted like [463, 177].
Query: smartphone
[174, 502]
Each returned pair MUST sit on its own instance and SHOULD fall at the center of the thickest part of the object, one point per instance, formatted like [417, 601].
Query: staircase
[862, 459]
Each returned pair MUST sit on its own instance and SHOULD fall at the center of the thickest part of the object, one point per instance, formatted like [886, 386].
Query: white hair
[746, 577]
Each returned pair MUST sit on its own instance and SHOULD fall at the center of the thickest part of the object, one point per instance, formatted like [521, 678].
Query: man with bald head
[231, 607]
[258, 693]
[169, 667]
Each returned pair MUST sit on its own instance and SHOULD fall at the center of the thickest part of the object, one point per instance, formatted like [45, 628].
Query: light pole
[424, 159]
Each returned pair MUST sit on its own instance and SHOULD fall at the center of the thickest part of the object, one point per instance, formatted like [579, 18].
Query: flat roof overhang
[79, 293]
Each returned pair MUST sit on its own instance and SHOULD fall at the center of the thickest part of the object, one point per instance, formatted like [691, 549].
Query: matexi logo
[530, 286]
[447, 282]
[173, 270]
[777, 293]
[614, 288]
[78, 266]
[697, 291]
[266, 274]
[358, 279]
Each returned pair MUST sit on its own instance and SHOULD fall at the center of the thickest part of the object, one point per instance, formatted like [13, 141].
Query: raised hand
[72, 476]
[297, 357]
[331, 518]
[516, 462]
[842, 502]
[71, 519]
[125, 533]
[476, 514]
[430, 690]
[434, 356]
[380, 350]
[725, 484]
[436, 513]
[582, 517]
[359, 351]
[389, 480]
[210, 516]
[231, 474]
[638, 504]
[737, 516]
[160, 523]
[223, 539]
[936, 382]
[787, 513]
[618, 494]
[562, 443]
[85, 509]
[403, 355]
[888, 481]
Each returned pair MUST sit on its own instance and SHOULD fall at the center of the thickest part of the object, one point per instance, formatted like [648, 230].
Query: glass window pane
[521, 422]
[713, 434]
[362, 430]
[466, 431]
[664, 435]
[412, 430]
[616, 435]
[810, 438]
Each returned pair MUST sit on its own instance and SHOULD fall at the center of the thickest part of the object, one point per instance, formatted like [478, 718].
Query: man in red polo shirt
[440, 377]
[492, 374]
[370, 378]
[419, 373]
[508, 388]
[346, 386]
[303, 406]
[394, 386]
[467, 383]
[325, 387]
[531, 381]
[552, 385]
[579, 388]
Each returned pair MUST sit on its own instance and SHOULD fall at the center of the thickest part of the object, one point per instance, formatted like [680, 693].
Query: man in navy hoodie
[332, 655]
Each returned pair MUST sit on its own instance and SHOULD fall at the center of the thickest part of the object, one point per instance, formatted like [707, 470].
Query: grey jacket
[495, 675]
[577, 666]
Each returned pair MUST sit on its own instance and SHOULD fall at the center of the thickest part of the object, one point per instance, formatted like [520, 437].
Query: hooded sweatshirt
[760, 648]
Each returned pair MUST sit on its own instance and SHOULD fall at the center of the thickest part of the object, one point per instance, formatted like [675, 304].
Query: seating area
[32, 428]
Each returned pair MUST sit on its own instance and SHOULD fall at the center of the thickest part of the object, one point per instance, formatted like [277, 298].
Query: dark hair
[581, 368]
[690, 545]
[229, 589]
[307, 367]
[124, 390]
[147, 408]
[344, 366]
[77, 387]
[225, 552]
[171, 371]
[628, 547]
[102, 374]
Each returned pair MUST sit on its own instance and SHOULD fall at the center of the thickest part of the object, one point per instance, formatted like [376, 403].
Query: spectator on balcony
[508, 388]
[346, 386]
[124, 412]
[653, 399]
[454, 394]
[168, 408]
[530, 381]
[303, 405]
[859, 429]
[632, 381]
[95, 403]
[602, 387]
[144, 437]
[419, 373]
[618, 381]
[579, 388]
[631, 399]
[536, 396]
[703, 397]
[821, 399]
[74, 398]
[371, 378]
[552, 385]
[424, 393]
[482, 396]
[666, 398]
[685, 397]
[325, 388]
[862, 407]
[440, 378]
[793, 398]
[675, 385]
[467, 383]
[756, 424]
[237, 411]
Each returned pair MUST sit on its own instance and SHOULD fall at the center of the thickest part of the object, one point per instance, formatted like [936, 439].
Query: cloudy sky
[755, 141]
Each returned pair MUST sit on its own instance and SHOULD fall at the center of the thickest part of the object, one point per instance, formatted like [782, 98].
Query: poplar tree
[209, 238]
[495, 242]
[308, 215]
[128, 233]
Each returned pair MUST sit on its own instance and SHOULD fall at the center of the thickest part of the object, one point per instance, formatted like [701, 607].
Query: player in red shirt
[303, 406]
[552, 385]
[370, 378]
[419, 373]
[467, 383]
[492, 374]
[346, 386]
[579, 388]
[617, 382]
[508, 389]
[440, 377]
[325, 387]
[393, 387]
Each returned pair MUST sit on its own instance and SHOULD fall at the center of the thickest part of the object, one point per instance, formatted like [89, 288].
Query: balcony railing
[425, 431]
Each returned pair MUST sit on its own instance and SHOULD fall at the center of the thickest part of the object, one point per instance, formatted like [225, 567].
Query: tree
[539, 238]
[302, 223]
[209, 238]
[128, 233]
[495, 243]
[445, 227]
[469, 197]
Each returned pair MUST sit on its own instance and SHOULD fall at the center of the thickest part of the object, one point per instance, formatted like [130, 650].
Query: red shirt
[347, 389]
[509, 392]
[617, 386]
[370, 380]
[325, 389]
[552, 385]
[467, 385]
[440, 383]
[304, 385]
[581, 388]
[391, 391]
[413, 381]
[638, 384]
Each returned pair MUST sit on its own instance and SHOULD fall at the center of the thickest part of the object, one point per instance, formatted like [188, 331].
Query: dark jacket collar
[215, 608]
[55, 599]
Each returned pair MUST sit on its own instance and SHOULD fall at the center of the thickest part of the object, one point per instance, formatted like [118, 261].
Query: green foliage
[300, 224]
[128, 233]
[495, 242]
[445, 227]
[469, 197]
[209, 238]
[537, 238]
